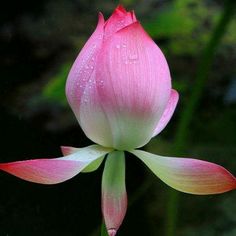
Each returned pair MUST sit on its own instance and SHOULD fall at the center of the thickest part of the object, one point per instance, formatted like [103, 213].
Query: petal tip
[100, 18]
[133, 16]
[121, 9]
[64, 150]
[111, 232]
[175, 94]
[67, 150]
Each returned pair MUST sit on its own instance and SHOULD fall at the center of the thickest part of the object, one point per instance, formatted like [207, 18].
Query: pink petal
[189, 175]
[114, 197]
[118, 20]
[81, 90]
[93, 119]
[83, 67]
[168, 112]
[136, 85]
[56, 170]
[91, 167]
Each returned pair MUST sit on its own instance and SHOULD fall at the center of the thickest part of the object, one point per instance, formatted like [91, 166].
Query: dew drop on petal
[133, 57]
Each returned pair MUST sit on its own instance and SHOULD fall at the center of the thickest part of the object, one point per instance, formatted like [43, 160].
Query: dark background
[38, 43]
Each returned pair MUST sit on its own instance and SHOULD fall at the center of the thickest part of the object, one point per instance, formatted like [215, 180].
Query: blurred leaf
[230, 37]
[127, 2]
[169, 22]
[55, 89]
[180, 85]
[187, 23]
[225, 132]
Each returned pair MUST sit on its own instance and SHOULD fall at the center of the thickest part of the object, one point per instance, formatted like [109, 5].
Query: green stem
[183, 127]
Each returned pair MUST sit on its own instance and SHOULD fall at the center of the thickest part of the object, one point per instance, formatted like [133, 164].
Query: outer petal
[91, 167]
[52, 171]
[118, 20]
[83, 67]
[189, 175]
[168, 112]
[136, 85]
[81, 90]
[114, 198]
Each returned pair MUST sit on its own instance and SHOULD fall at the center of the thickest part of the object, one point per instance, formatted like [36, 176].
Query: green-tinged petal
[114, 197]
[66, 150]
[189, 175]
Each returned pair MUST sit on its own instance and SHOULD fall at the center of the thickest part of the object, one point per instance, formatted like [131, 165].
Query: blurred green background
[39, 42]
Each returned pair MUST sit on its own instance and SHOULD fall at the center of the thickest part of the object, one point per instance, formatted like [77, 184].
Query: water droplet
[133, 57]
[91, 67]
[124, 45]
[101, 84]
[118, 46]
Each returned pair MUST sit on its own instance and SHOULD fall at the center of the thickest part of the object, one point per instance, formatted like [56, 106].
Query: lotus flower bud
[119, 87]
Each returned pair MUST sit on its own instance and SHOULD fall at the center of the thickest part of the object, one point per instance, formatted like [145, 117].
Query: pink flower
[119, 89]
[120, 85]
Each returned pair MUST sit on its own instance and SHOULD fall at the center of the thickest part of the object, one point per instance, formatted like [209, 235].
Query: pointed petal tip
[112, 232]
[100, 17]
[121, 9]
[133, 16]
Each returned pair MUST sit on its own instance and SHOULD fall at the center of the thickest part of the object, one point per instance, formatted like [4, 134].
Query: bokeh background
[39, 42]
